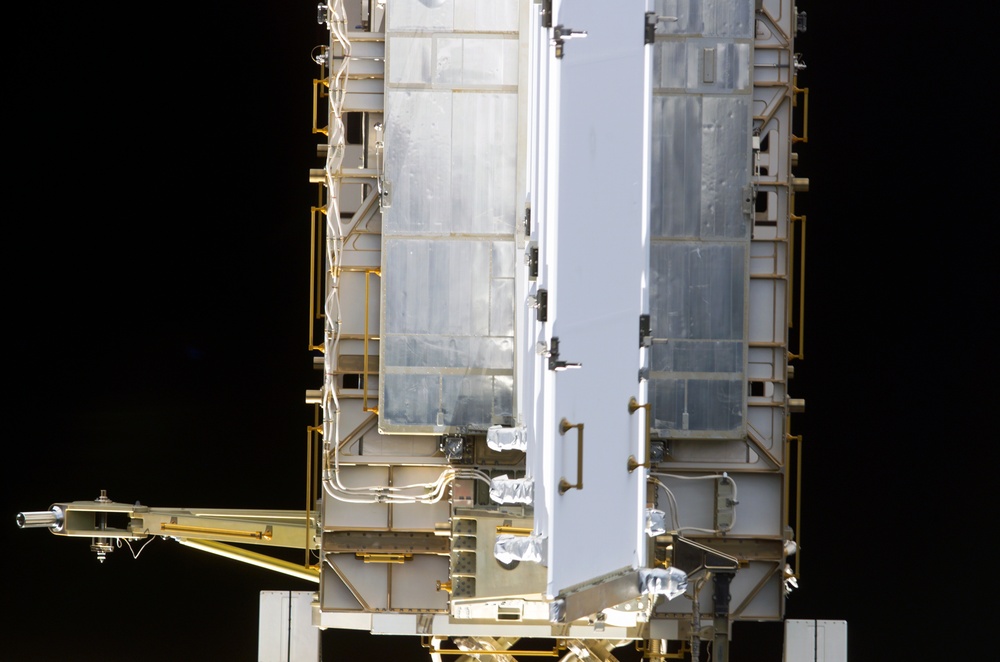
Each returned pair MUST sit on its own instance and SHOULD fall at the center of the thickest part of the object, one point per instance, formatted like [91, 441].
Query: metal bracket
[725, 504]
[650, 27]
[645, 334]
[554, 362]
[560, 34]
[749, 199]
[721, 595]
[385, 194]
[542, 305]
[531, 259]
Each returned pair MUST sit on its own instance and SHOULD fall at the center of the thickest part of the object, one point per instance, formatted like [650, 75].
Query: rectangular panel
[450, 160]
[286, 632]
[592, 236]
[699, 216]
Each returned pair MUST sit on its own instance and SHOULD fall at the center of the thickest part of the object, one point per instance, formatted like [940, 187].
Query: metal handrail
[364, 400]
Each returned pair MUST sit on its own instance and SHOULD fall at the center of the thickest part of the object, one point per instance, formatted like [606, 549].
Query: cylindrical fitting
[40, 519]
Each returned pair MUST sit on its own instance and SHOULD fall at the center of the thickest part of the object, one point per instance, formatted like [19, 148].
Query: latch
[552, 352]
[649, 25]
[560, 34]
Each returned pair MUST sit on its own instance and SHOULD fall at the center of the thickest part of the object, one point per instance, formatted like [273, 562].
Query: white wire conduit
[674, 518]
[431, 492]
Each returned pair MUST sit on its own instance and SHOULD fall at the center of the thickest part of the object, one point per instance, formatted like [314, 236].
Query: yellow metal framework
[364, 385]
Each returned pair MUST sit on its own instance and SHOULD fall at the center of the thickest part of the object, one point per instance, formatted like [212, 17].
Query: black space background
[155, 308]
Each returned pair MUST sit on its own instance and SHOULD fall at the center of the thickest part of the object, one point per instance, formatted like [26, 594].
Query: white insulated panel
[592, 234]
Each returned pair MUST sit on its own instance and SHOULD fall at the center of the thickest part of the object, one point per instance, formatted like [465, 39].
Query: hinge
[650, 26]
[542, 305]
[553, 354]
[531, 259]
[546, 12]
[645, 334]
[527, 221]
[749, 197]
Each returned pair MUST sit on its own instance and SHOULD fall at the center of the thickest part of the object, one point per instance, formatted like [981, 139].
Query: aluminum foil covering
[512, 490]
[669, 582]
[510, 548]
[656, 522]
[501, 438]
[557, 611]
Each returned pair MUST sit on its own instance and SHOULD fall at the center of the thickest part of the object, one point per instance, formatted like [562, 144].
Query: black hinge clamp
[553, 354]
[645, 334]
[531, 260]
[650, 26]
[542, 305]
[546, 13]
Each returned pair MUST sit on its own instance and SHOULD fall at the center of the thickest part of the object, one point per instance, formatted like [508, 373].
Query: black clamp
[560, 34]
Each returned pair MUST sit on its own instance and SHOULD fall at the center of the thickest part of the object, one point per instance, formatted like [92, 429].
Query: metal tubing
[182, 528]
[309, 491]
[253, 558]
[364, 399]
[39, 519]
[805, 114]
[316, 96]
[315, 290]
[801, 354]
